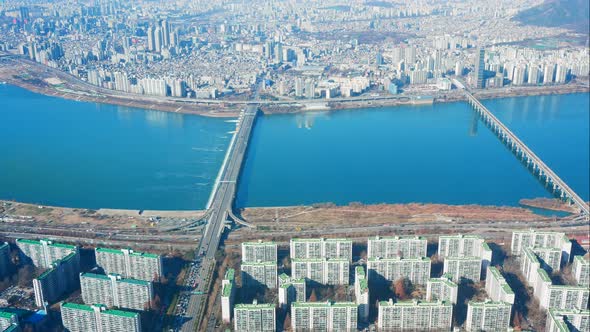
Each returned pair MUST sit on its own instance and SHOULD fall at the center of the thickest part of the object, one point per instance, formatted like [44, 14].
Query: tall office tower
[497, 288]
[59, 278]
[42, 253]
[531, 238]
[129, 264]
[463, 268]
[254, 317]
[151, 39]
[550, 258]
[581, 270]
[559, 296]
[290, 290]
[165, 33]
[417, 270]
[259, 251]
[84, 318]
[8, 321]
[396, 246]
[567, 320]
[561, 74]
[114, 291]
[321, 248]
[415, 316]
[548, 73]
[259, 273]
[158, 39]
[361, 292]
[174, 37]
[4, 258]
[442, 289]
[324, 316]
[323, 271]
[479, 69]
[534, 74]
[228, 290]
[488, 316]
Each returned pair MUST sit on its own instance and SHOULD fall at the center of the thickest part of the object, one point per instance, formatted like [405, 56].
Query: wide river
[78, 154]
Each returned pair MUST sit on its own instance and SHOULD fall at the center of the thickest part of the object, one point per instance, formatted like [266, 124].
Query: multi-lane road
[193, 299]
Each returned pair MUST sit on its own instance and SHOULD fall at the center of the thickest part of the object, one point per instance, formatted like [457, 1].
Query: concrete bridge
[545, 174]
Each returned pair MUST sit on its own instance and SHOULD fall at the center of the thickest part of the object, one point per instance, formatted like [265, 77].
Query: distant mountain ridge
[570, 14]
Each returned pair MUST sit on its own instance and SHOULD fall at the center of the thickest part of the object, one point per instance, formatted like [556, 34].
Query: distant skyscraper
[479, 69]
[151, 39]
[165, 33]
[159, 39]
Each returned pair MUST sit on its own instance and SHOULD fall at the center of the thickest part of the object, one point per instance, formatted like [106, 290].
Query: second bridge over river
[545, 174]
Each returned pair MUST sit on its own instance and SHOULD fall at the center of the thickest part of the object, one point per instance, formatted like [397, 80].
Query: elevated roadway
[219, 208]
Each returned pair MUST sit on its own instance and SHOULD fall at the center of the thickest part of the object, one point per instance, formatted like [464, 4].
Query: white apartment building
[460, 268]
[327, 316]
[321, 248]
[396, 246]
[259, 251]
[97, 318]
[581, 270]
[254, 317]
[290, 290]
[43, 253]
[461, 246]
[114, 291]
[442, 289]
[465, 246]
[228, 290]
[530, 238]
[323, 271]
[560, 320]
[488, 316]
[414, 316]
[259, 273]
[559, 296]
[550, 258]
[129, 264]
[417, 270]
[529, 264]
[361, 292]
[59, 278]
[497, 288]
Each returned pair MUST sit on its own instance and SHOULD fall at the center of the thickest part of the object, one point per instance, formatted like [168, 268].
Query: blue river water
[439, 153]
[78, 154]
